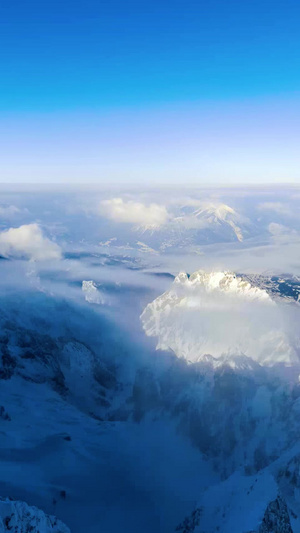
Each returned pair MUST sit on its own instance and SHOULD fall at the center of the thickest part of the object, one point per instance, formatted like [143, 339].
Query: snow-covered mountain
[217, 218]
[239, 400]
[87, 416]
[193, 224]
[110, 435]
[55, 391]
[203, 223]
[19, 517]
[220, 314]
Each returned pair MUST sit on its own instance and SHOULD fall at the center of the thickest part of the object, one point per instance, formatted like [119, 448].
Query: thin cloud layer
[28, 241]
[279, 229]
[9, 211]
[276, 207]
[137, 213]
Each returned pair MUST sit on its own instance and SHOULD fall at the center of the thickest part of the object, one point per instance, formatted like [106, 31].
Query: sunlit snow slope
[221, 315]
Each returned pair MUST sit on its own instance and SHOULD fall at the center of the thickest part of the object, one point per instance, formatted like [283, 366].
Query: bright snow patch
[21, 518]
[92, 295]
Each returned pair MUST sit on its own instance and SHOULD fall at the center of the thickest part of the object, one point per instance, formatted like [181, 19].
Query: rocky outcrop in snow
[92, 294]
[18, 517]
[276, 518]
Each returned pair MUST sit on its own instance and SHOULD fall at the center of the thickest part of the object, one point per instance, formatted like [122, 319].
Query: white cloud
[28, 241]
[137, 213]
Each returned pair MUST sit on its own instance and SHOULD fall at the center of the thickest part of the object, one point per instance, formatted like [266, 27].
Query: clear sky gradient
[160, 91]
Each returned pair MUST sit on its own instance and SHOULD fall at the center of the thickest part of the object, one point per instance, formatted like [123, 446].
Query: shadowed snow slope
[21, 518]
[219, 314]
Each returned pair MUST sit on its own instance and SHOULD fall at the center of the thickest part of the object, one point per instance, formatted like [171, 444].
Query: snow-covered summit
[219, 313]
[19, 517]
[222, 281]
[217, 214]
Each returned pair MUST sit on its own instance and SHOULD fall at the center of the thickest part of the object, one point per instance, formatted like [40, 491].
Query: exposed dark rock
[3, 414]
[276, 518]
[190, 523]
[291, 473]
[8, 363]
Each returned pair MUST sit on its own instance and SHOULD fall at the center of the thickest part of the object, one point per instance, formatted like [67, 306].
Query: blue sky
[127, 91]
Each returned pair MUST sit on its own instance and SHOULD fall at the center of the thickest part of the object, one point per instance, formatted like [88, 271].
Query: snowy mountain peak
[19, 517]
[221, 214]
[220, 211]
[220, 314]
[223, 281]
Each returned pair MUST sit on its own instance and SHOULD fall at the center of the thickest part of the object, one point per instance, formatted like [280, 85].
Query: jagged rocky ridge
[18, 517]
[276, 518]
